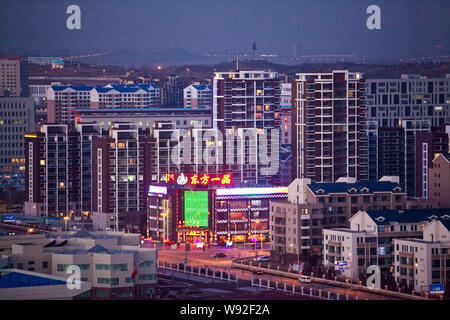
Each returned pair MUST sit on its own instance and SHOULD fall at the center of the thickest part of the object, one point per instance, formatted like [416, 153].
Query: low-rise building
[296, 223]
[370, 240]
[422, 262]
[18, 284]
[197, 95]
[113, 263]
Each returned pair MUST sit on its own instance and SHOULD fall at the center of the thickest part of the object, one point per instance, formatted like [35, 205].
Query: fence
[200, 272]
[312, 293]
[257, 266]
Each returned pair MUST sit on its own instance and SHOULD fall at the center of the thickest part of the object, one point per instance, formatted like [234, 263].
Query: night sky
[409, 28]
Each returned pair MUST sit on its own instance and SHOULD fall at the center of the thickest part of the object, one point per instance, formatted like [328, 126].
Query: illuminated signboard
[196, 208]
[157, 190]
[201, 179]
[250, 191]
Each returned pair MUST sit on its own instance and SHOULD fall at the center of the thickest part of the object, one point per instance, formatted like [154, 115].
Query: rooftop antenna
[254, 50]
[237, 62]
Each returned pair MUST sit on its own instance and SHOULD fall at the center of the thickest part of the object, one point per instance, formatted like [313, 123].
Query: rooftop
[386, 217]
[19, 279]
[355, 188]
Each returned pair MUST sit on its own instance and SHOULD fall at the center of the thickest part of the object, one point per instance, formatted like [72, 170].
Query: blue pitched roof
[201, 86]
[77, 88]
[18, 280]
[446, 223]
[117, 87]
[385, 217]
[344, 187]
[98, 249]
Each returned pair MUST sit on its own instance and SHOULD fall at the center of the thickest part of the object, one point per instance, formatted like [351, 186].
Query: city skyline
[186, 31]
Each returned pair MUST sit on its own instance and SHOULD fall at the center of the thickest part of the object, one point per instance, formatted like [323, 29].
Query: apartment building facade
[16, 118]
[121, 172]
[247, 103]
[13, 77]
[370, 240]
[411, 97]
[329, 134]
[296, 224]
[106, 260]
[61, 100]
[58, 171]
[439, 181]
[420, 263]
[197, 96]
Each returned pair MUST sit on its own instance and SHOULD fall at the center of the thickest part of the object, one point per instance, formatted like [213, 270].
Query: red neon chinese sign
[201, 179]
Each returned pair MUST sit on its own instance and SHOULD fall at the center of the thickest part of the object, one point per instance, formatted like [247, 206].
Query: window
[146, 277]
[63, 267]
[147, 263]
[121, 267]
[45, 265]
[111, 281]
[125, 294]
[101, 294]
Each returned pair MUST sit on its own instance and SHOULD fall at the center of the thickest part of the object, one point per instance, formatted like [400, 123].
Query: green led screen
[196, 208]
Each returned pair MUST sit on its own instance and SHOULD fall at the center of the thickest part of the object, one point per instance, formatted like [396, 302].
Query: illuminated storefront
[204, 208]
[242, 214]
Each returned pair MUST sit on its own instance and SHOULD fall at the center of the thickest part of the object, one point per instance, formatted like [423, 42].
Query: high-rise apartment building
[121, 172]
[412, 97]
[59, 171]
[404, 116]
[50, 172]
[172, 92]
[329, 135]
[247, 103]
[16, 118]
[13, 77]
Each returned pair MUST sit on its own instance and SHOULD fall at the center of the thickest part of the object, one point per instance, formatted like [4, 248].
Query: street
[200, 258]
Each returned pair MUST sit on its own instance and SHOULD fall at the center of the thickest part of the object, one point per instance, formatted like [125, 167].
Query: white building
[18, 284]
[421, 262]
[286, 94]
[370, 238]
[197, 95]
[112, 262]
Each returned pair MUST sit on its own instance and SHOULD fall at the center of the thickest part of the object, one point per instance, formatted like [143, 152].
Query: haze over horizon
[187, 29]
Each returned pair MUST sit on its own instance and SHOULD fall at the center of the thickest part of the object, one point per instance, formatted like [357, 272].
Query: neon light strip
[250, 191]
[157, 189]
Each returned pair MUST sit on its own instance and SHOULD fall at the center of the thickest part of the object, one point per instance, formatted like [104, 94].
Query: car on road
[219, 255]
[304, 279]
[262, 258]
[258, 272]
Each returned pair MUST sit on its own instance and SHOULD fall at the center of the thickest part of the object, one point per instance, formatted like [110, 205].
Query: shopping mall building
[206, 208]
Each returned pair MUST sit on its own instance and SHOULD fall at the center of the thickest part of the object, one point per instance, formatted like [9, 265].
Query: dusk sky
[409, 28]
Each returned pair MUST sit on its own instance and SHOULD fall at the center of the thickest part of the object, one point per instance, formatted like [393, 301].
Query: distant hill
[196, 72]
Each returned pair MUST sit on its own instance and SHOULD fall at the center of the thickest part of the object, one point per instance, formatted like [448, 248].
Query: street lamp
[164, 234]
[66, 218]
[30, 230]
